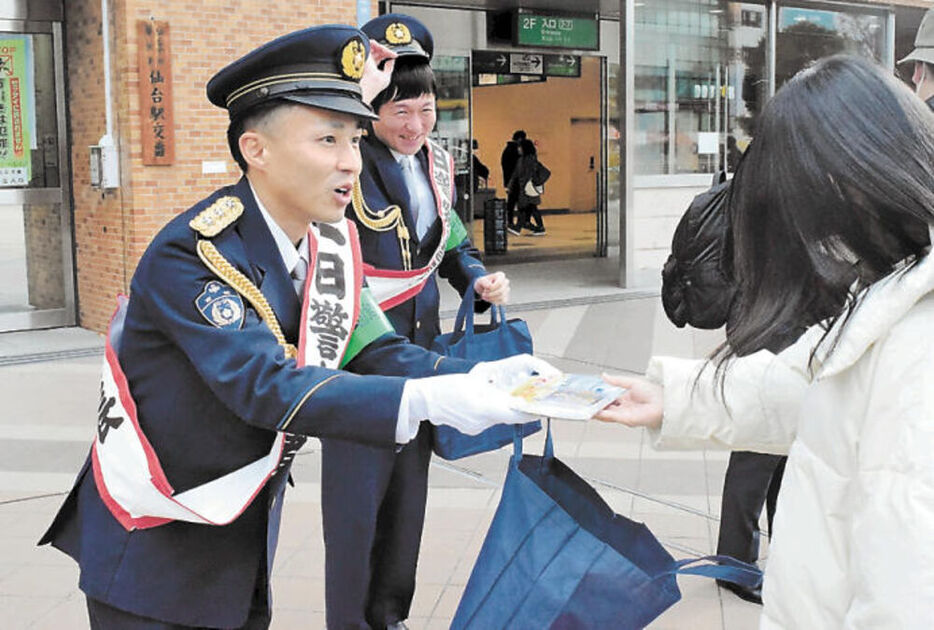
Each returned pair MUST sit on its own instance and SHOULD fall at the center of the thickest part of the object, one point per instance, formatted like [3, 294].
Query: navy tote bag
[556, 556]
[499, 339]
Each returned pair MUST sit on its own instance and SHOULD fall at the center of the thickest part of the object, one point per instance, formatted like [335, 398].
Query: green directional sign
[562, 65]
[551, 30]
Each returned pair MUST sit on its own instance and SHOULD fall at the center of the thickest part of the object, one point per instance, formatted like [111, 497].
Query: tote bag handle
[718, 567]
[463, 323]
[548, 453]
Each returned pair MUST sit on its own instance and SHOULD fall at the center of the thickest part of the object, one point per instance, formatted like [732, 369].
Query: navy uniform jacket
[209, 400]
[383, 185]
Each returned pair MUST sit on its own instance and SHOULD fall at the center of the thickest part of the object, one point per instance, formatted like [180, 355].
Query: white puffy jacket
[854, 529]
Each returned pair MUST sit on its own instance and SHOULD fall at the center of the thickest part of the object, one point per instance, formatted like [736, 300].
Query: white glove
[467, 402]
[507, 374]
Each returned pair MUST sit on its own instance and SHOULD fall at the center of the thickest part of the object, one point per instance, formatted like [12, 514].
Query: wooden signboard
[155, 92]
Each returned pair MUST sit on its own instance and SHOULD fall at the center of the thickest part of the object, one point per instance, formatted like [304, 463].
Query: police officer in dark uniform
[374, 501]
[219, 357]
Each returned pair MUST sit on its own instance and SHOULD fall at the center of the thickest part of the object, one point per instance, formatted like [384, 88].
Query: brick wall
[43, 241]
[98, 222]
[112, 229]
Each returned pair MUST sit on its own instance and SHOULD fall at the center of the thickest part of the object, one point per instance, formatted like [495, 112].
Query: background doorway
[36, 257]
[562, 115]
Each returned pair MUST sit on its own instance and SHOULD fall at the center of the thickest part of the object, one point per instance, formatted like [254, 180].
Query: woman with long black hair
[833, 207]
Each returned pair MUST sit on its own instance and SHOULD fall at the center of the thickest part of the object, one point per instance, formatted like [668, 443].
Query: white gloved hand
[507, 374]
[467, 402]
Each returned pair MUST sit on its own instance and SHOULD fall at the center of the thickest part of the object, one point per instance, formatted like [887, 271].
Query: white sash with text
[126, 468]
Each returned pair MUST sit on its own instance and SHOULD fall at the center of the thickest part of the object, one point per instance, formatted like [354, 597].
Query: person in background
[508, 161]
[923, 58]
[698, 290]
[527, 183]
[373, 500]
[480, 171]
[827, 209]
[213, 379]
[752, 480]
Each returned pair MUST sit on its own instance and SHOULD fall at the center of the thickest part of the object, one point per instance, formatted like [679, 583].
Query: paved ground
[47, 423]
[566, 234]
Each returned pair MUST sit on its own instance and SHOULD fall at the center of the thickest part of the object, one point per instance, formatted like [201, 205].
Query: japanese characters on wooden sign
[155, 92]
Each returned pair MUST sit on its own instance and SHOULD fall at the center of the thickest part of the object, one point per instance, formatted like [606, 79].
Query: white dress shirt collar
[289, 252]
[402, 157]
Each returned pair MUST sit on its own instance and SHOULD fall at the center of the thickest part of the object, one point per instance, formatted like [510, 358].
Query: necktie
[299, 273]
[424, 215]
[294, 442]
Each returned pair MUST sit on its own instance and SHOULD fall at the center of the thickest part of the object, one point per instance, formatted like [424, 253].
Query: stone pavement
[47, 423]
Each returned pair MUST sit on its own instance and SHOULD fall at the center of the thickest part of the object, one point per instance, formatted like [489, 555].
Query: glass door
[36, 268]
[603, 177]
[452, 131]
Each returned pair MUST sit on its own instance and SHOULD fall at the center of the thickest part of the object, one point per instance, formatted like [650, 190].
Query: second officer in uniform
[374, 501]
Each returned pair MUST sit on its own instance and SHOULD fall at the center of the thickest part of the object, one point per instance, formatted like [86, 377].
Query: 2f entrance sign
[530, 22]
[543, 30]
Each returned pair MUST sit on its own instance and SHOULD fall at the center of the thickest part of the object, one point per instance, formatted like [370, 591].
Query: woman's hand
[641, 405]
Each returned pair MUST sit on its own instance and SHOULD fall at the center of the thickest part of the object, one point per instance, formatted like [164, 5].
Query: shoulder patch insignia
[210, 221]
[220, 305]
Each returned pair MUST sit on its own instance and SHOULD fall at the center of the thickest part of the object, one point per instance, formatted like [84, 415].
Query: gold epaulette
[210, 221]
[383, 221]
[216, 262]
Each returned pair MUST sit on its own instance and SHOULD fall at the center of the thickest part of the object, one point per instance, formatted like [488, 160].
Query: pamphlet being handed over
[568, 396]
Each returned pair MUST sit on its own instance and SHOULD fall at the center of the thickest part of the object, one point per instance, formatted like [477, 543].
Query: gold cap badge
[210, 221]
[353, 57]
[398, 33]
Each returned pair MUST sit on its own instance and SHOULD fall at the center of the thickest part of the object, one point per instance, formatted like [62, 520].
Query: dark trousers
[373, 510]
[752, 479]
[512, 198]
[105, 617]
[529, 212]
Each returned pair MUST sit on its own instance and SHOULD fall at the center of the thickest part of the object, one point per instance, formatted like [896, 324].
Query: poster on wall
[17, 110]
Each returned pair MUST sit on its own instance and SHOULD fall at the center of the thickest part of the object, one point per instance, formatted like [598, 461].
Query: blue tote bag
[499, 339]
[557, 556]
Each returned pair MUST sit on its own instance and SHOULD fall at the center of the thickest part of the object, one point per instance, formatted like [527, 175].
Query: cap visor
[410, 50]
[918, 54]
[334, 103]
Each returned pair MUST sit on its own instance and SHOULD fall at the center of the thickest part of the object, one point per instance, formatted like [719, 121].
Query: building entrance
[36, 272]
[487, 89]
[558, 106]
